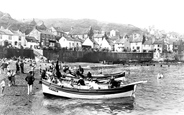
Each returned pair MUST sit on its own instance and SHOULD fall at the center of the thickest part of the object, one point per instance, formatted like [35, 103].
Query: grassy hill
[7, 21]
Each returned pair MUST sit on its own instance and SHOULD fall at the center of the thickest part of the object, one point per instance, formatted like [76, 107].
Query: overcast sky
[163, 14]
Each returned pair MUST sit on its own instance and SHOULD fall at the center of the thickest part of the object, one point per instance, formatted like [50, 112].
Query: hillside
[7, 21]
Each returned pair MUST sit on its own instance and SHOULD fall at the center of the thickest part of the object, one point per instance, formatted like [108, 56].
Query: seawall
[92, 56]
[11, 52]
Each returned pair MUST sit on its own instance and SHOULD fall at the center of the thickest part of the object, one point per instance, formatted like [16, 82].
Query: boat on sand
[87, 93]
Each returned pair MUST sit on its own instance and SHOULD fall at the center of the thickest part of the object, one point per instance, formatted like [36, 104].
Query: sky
[164, 15]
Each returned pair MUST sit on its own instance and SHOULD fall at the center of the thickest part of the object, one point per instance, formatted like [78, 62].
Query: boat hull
[53, 89]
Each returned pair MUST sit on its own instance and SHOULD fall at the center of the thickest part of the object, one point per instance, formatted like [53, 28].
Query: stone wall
[12, 52]
[91, 56]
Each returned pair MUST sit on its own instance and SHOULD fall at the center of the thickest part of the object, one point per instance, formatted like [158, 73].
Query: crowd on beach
[10, 73]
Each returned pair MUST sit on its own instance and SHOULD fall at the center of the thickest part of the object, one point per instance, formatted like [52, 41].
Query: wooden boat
[81, 93]
[101, 76]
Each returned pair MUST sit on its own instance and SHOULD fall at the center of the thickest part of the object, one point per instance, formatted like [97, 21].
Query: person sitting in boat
[72, 82]
[81, 82]
[81, 70]
[89, 76]
[66, 69]
[93, 85]
[113, 83]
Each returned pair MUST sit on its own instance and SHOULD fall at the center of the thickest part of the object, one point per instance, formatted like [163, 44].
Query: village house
[31, 42]
[90, 43]
[57, 31]
[170, 45]
[98, 38]
[15, 38]
[105, 43]
[82, 33]
[5, 36]
[18, 39]
[114, 33]
[67, 41]
[122, 44]
[136, 42]
[148, 43]
[158, 45]
[44, 37]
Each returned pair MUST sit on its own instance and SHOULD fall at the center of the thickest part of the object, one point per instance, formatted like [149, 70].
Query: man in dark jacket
[22, 66]
[30, 80]
[17, 66]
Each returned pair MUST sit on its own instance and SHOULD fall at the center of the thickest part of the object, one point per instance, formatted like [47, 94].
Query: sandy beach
[15, 100]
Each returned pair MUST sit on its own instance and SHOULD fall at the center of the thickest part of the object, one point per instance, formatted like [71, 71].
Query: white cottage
[105, 44]
[90, 43]
[67, 41]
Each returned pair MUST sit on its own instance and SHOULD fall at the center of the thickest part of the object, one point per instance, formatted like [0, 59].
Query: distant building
[13, 38]
[158, 46]
[66, 41]
[136, 42]
[90, 43]
[44, 37]
[32, 43]
[57, 31]
[114, 33]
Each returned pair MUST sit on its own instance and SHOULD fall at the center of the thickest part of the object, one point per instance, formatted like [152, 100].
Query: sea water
[163, 96]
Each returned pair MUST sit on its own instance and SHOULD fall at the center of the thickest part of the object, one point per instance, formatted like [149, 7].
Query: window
[15, 43]
[158, 45]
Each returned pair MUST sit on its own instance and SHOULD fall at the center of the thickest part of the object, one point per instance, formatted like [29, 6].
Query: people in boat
[66, 69]
[72, 82]
[57, 66]
[89, 76]
[113, 83]
[81, 70]
[93, 84]
[81, 82]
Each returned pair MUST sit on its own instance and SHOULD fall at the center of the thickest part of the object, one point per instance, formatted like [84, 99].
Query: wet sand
[16, 101]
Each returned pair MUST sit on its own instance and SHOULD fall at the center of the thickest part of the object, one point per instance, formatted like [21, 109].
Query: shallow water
[157, 96]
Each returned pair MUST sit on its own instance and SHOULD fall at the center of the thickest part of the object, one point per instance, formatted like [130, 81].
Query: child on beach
[2, 84]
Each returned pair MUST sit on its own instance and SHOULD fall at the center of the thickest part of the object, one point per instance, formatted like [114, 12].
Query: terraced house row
[41, 36]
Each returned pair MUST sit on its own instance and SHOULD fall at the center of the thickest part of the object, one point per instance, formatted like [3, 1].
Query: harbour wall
[14, 52]
[92, 56]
